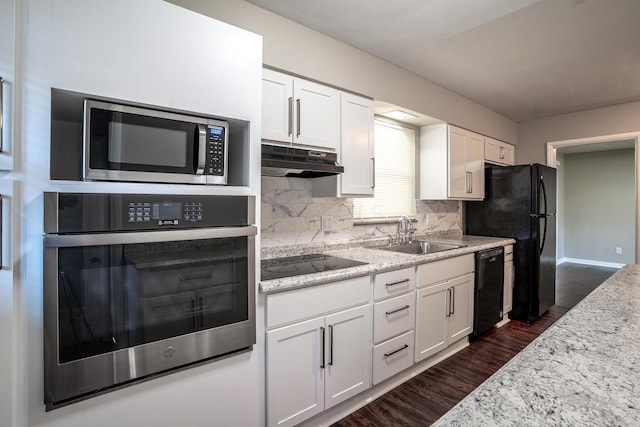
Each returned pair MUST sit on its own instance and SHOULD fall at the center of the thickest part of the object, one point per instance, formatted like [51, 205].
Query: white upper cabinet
[451, 163]
[299, 112]
[499, 152]
[355, 152]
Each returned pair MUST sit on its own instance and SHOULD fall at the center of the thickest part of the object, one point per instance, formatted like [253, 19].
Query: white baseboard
[590, 262]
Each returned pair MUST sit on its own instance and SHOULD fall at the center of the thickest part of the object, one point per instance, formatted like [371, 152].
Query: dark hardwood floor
[425, 398]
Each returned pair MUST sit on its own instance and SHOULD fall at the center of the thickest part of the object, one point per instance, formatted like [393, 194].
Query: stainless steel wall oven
[137, 285]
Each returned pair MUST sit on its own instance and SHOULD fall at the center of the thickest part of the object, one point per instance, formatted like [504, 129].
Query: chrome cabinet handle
[322, 336]
[388, 285]
[502, 152]
[453, 301]
[449, 302]
[290, 121]
[389, 313]
[1, 115]
[330, 345]
[373, 160]
[396, 351]
[298, 118]
[188, 279]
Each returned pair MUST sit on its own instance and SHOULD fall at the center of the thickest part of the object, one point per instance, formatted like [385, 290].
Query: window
[395, 174]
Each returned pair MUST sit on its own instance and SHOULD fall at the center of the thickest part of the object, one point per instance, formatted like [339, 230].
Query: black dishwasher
[489, 287]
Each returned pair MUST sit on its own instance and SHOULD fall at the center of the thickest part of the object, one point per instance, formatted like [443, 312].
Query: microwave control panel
[215, 150]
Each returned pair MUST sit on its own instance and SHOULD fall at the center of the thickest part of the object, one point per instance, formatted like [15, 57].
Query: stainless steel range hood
[295, 162]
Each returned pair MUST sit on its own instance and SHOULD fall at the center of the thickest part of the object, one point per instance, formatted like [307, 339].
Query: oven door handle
[97, 239]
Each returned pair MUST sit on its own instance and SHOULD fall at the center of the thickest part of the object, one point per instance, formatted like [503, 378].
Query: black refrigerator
[520, 202]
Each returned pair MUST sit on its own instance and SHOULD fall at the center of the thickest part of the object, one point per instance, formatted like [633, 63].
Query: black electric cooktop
[277, 268]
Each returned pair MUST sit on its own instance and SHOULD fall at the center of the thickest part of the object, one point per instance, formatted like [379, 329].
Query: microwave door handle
[202, 149]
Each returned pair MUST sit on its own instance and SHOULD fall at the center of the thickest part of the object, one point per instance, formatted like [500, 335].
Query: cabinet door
[317, 110]
[431, 311]
[348, 354]
[7, 73]
[507, 304]
[356, 145]
[460, 320]
[277, 106]
[498, 152]
[295, 378]
[458, 181]
[475, 165]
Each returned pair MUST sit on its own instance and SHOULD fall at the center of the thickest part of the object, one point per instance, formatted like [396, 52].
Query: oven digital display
[167, 210]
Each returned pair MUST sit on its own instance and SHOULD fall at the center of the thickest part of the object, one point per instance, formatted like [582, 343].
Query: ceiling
[524, 59]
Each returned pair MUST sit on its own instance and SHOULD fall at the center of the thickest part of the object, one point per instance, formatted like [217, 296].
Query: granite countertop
[582, 371]
[379, 261]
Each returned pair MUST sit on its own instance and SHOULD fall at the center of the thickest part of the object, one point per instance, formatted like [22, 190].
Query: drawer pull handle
[389, 313]
[404, 347]
[188, 279]
[388, 285]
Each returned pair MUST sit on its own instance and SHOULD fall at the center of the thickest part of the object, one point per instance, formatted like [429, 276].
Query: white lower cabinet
[444, 304]
[393, 322]
[507, 302]
[315, 364]
[392, 356]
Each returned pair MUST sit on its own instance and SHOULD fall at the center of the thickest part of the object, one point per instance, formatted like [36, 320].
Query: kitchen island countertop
[584, 370]
[379, 260]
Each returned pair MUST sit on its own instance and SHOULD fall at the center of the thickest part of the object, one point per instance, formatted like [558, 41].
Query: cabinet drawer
[300, 304]
[508, 253]
[392, 356]
[438, 271]
[393, 316]
[393, 283]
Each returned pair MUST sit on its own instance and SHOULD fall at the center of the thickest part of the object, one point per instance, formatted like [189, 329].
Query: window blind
[394, 193]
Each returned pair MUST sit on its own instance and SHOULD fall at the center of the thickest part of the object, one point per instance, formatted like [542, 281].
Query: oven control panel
[165, 212]
[86, 212]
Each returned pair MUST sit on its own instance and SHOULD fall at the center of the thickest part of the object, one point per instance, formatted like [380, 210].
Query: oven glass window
[119, 296]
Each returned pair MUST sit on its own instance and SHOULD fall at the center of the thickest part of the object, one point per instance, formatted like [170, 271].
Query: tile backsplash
[290, 216]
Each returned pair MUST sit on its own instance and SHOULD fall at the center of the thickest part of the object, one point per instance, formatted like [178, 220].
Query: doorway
[597, 199]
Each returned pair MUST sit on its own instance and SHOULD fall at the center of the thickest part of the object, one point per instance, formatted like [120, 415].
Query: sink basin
[418, 247]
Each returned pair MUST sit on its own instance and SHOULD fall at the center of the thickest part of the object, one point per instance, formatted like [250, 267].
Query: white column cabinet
[499, 152]
[451, 163]
[444, 304]
[299, 112]
[355, 153]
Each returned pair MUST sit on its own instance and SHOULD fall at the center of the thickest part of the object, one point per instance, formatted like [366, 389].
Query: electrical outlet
[619, 251]
[327, 222]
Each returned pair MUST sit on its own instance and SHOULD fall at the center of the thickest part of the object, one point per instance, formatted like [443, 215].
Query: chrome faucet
[406, 228]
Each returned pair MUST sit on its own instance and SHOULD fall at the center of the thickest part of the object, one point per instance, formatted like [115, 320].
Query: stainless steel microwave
[128, 143]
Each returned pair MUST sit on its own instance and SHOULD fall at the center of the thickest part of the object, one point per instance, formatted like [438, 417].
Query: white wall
[534, 134]
[599, 190]
[152, 52]
[297, 49]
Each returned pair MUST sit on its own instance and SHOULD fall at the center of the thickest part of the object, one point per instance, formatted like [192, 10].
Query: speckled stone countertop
[378, 261]
[582, 371]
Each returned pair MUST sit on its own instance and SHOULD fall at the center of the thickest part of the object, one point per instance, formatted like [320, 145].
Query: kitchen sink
[421, 247]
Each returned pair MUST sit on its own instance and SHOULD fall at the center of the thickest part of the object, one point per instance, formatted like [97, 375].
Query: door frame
[551, 161]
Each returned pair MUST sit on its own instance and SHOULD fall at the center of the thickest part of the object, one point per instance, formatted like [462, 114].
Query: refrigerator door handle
[544, 234]
[544, 195]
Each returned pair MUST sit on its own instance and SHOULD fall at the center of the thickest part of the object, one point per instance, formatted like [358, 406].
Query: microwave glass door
[134, 142]
[112, 297]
